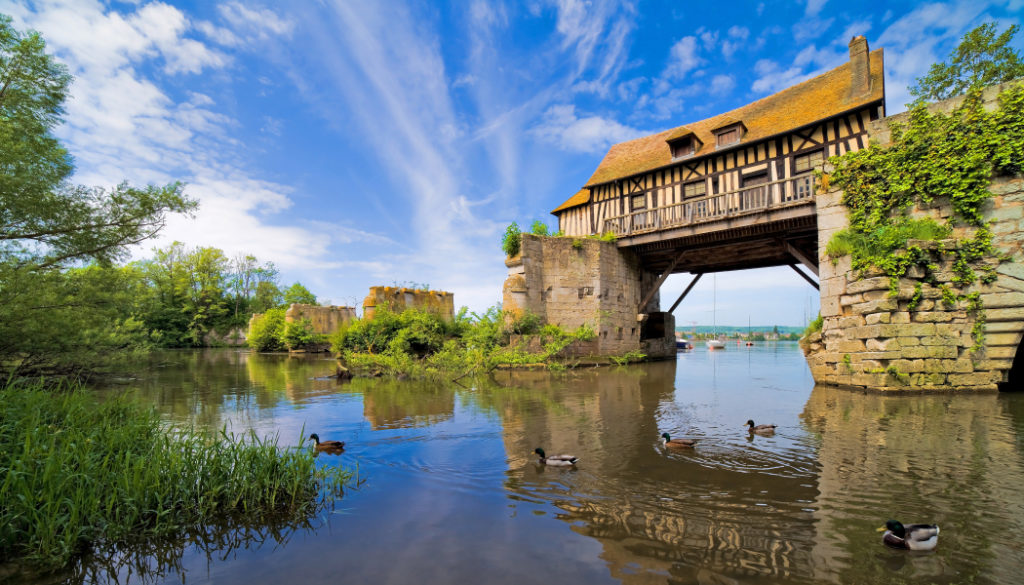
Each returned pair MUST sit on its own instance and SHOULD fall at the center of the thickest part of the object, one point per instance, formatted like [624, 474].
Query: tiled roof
[816, 99]
[581, 197]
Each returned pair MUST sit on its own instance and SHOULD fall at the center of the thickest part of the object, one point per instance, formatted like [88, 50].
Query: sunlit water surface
[449, 492]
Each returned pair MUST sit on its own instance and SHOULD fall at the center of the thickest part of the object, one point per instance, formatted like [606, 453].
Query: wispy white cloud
[562, 127]
[121, 124]
[683, 57]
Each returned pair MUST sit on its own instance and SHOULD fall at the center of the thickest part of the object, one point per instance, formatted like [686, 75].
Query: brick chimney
[860, 67]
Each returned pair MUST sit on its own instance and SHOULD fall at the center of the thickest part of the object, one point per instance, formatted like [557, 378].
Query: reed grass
[77, 473]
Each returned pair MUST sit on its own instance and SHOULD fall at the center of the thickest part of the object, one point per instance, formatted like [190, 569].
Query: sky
[363, 143]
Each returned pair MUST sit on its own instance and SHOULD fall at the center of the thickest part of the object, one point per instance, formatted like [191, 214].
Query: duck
[557, 460]
[911, 536]
[760, 429]
[326, 445]
[669, 442]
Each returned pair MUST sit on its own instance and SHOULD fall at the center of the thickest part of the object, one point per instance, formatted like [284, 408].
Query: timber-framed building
[740, 162]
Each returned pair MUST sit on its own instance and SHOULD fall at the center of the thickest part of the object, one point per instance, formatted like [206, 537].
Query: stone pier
[571, 282]
[902, 338]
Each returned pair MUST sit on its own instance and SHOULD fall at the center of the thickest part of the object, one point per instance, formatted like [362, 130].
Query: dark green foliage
[266, 332]
[82, 473]
[980, 60]
[512, 240]
[412, 332]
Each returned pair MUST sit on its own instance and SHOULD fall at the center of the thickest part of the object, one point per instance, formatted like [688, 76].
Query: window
[695, 189]
[682, 147]
[805, 162]
[638, 202]
[729, 135]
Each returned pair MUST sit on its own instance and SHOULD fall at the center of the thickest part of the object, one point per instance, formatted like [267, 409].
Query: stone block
[1014, 314]
[941, 340]
[928, 380]
[876, 318]
[870, 380]
[846, 300]
[886, 304]
[1003, 300]
[869, 365]
[932, 317]
[908, 341]
[875, 355]
[993, 365]
[830, 306]
[851, 321]
[1012, 269]
[905, 366]
[901, 317]
[1001, 352]
[1002, 339]
[930, 351]
[889, 344]
[973, 379]
[868, 284]
[875, 295]
[847, 346]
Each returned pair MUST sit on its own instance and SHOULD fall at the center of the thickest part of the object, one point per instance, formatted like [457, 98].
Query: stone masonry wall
[400, 299]
[871, 339]
[570, 282]
[324, 319]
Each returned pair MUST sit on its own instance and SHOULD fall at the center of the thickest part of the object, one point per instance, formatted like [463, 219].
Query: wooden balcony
[750, 201]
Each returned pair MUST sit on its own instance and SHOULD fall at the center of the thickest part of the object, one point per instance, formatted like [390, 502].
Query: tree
[55, 318]
[297, 293]
[981, 59]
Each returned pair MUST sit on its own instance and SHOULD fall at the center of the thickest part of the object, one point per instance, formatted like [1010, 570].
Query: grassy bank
[419, 344]
[78, 473]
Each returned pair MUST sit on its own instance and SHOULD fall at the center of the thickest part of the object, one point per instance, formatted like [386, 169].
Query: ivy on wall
[933, 157]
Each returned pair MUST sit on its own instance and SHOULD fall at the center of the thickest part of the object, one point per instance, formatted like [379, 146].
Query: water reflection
[452, 492]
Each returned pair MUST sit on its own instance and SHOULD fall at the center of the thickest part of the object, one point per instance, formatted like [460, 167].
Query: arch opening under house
[1015, 377]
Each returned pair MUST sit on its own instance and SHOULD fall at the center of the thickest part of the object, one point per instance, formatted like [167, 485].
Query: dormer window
[729, 133]
[683, 143]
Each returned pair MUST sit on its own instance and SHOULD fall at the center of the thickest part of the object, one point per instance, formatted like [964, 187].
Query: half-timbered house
[742, 162]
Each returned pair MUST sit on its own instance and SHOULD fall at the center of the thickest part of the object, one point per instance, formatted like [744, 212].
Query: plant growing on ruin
[539, 228]
[981, 59]
[512, 240]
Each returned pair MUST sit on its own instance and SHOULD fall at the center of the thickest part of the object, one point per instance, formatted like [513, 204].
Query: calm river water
[449, 491]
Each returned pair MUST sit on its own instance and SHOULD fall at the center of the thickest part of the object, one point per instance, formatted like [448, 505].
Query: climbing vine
[933, 157]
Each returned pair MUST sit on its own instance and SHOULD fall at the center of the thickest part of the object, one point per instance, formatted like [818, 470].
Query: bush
[266, 333]
[539, 228]
[512, 241]
[300, 334]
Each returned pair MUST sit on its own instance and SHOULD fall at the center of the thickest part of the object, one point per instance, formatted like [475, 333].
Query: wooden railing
[714, 207]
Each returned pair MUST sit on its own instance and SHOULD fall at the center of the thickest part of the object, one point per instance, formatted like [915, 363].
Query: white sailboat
[714, 343]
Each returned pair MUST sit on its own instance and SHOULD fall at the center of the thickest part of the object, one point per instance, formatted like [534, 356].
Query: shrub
[300, 334]
[539, 228]
[512, 240]
[266, 333]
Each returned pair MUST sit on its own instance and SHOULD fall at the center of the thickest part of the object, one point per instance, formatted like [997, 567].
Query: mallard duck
[911, 537]
[326, 445]
[667, 441]
[562, 460]
[760, 429]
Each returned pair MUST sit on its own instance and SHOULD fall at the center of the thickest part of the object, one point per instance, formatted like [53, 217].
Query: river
[448, 489]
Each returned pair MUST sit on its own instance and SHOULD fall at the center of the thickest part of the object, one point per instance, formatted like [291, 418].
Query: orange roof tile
[581, 197]
[818, 98]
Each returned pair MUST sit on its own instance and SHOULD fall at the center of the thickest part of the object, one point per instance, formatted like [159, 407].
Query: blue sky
[380, 142]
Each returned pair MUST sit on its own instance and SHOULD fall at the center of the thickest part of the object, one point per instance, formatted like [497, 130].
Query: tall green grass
[77, 474]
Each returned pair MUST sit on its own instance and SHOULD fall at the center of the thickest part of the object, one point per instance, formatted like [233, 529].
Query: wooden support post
[685, 292]
[794, 252]
[661, 280]
[807, 278]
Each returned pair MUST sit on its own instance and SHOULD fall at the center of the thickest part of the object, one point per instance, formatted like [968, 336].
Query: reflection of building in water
[656, 518]
[389, 404]
[299, 377]
[939, 458]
